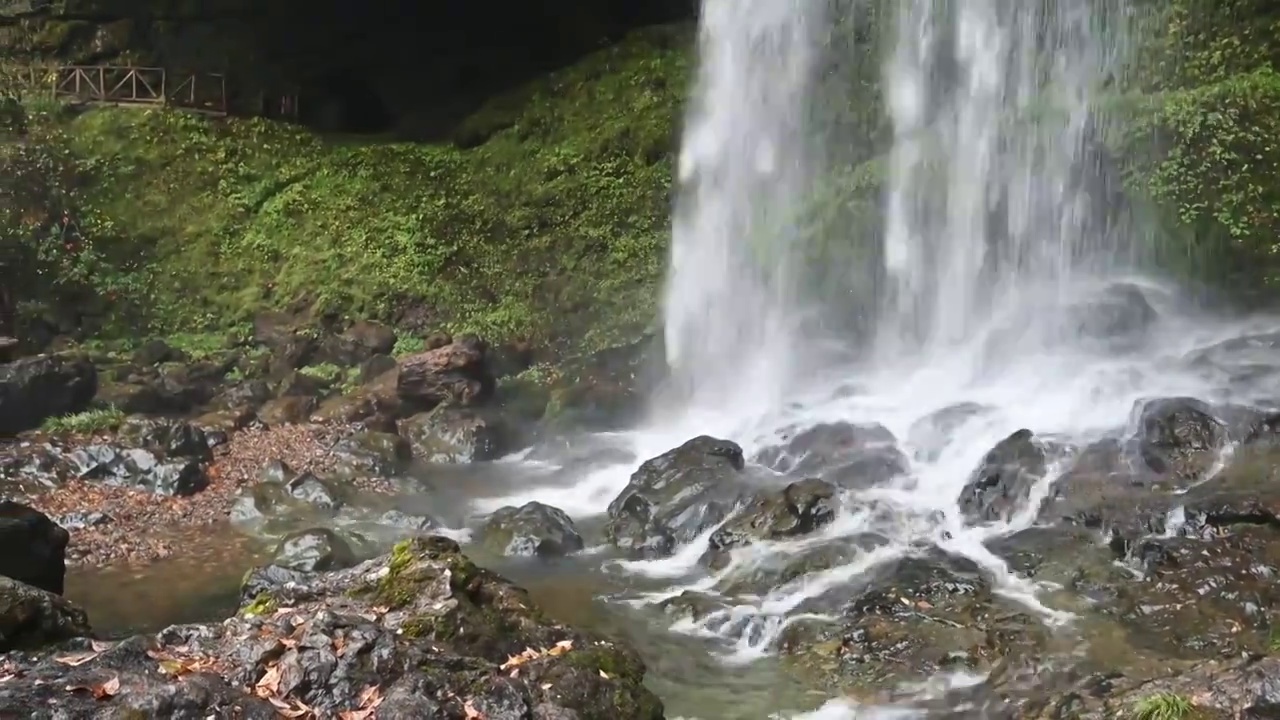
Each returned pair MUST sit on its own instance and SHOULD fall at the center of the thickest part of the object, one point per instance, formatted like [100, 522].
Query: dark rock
[250, 394]
[302, 384]
[917, 617]
[315, 550]
[406, 521]
[872, 468]
[457, 373]
[156, 352]
[1005, 478]
[1103, 490]
[33, 389]
[287, 411]
[184, 387]
[800, 508]
[375, 367]
[1179, 437]
[825, 446]
[532, 529]
[34, 547]
[673, 498]
[81, 521]
[314, 492]
[458, 435]
[424, 625]
[138, 468]
[168, 439]
[294, 353]
[31, 617]
[372, 454]
[356, 344]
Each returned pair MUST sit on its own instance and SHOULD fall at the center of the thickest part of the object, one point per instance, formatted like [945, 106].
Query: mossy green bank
[547, 218]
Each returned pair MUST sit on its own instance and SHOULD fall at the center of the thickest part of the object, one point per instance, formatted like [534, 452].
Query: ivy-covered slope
[547, 218]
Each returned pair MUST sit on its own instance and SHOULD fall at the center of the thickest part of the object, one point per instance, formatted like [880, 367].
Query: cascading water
[729, 310]
[1006, 291]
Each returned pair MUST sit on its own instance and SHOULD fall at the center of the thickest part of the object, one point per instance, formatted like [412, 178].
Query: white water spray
[1003, 279]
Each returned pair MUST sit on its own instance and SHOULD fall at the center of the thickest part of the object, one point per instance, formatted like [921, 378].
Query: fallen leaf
[560, 648]
[7, 677]
[100, 646]
[355, 714]
[370, 697]
[269, 686]
[77, 659]
[173, 667]
[471, 712]
[545, 686]
[108, 688]
[286, 708]
[605, 675]
[515, 672]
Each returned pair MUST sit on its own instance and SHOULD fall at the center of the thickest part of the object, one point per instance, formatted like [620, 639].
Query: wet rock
[457, 435]
[314, 492]
[286, 411]
[375, 367]
[872, 468]
[929, 435]
[35, 388]
[800, 508]
[372, 454]
[247, 395]
[1203, 598]
[457, 373]
[302, 384]
[407, 521]
[1179, 437]
[138, 468]
[374, 406]
[83, 520]
[824, 446]
[1004, 480]
[673, 498]
[34, 547]
[917, 617]
[157, 352]
[1120, 314]
[423, 626]
[315, 550]
[1104, 490]
[31, 617]
[533, 529]
[168, 439]
[1242, 688]
[186, 386]
[356, 344]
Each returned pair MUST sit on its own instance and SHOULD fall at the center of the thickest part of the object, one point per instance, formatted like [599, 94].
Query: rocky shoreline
[1165, 542]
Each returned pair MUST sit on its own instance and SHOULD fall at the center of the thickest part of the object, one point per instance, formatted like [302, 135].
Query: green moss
[325, 372]
[554, 227]
[263, 604]
[89, 421]
[1163, 706]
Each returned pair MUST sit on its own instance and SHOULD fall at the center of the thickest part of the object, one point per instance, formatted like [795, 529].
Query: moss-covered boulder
[421, 632]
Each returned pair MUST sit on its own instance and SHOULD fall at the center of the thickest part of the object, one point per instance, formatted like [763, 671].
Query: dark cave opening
[344, 101]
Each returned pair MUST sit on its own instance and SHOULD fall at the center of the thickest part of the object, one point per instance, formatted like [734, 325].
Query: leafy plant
[1163, 706]
[86, 422]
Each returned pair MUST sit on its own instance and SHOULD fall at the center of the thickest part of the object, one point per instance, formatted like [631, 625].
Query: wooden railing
[120, 85]
[202, 92]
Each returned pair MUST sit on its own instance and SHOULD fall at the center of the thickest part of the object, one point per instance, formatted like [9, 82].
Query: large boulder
[1005, 479]
[457, 374]
[419, 633]
[1180, 438]
[33, 389]
[34, 547]
[458, 435]
[533, 529]
[798, 509]
[31, 617]
[673, 498]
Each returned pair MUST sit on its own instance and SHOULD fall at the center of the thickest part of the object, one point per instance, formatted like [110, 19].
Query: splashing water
[1000, 252]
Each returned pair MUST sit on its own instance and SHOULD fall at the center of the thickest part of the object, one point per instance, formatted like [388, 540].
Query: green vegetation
[1202, 139]
[1163, 706]
[85, 423]
[550, 224]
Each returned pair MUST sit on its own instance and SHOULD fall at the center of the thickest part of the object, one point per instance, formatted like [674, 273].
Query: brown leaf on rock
[268, 686]
[100, 646]
[100, 691]
[77, 659]
[561, 648]
[471, 713]
[289, 709]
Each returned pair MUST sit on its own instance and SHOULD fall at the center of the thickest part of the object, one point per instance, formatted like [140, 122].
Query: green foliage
[1200, 138]
[85, 423]
[1163, 706]
[408, 345]
[554, 225]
